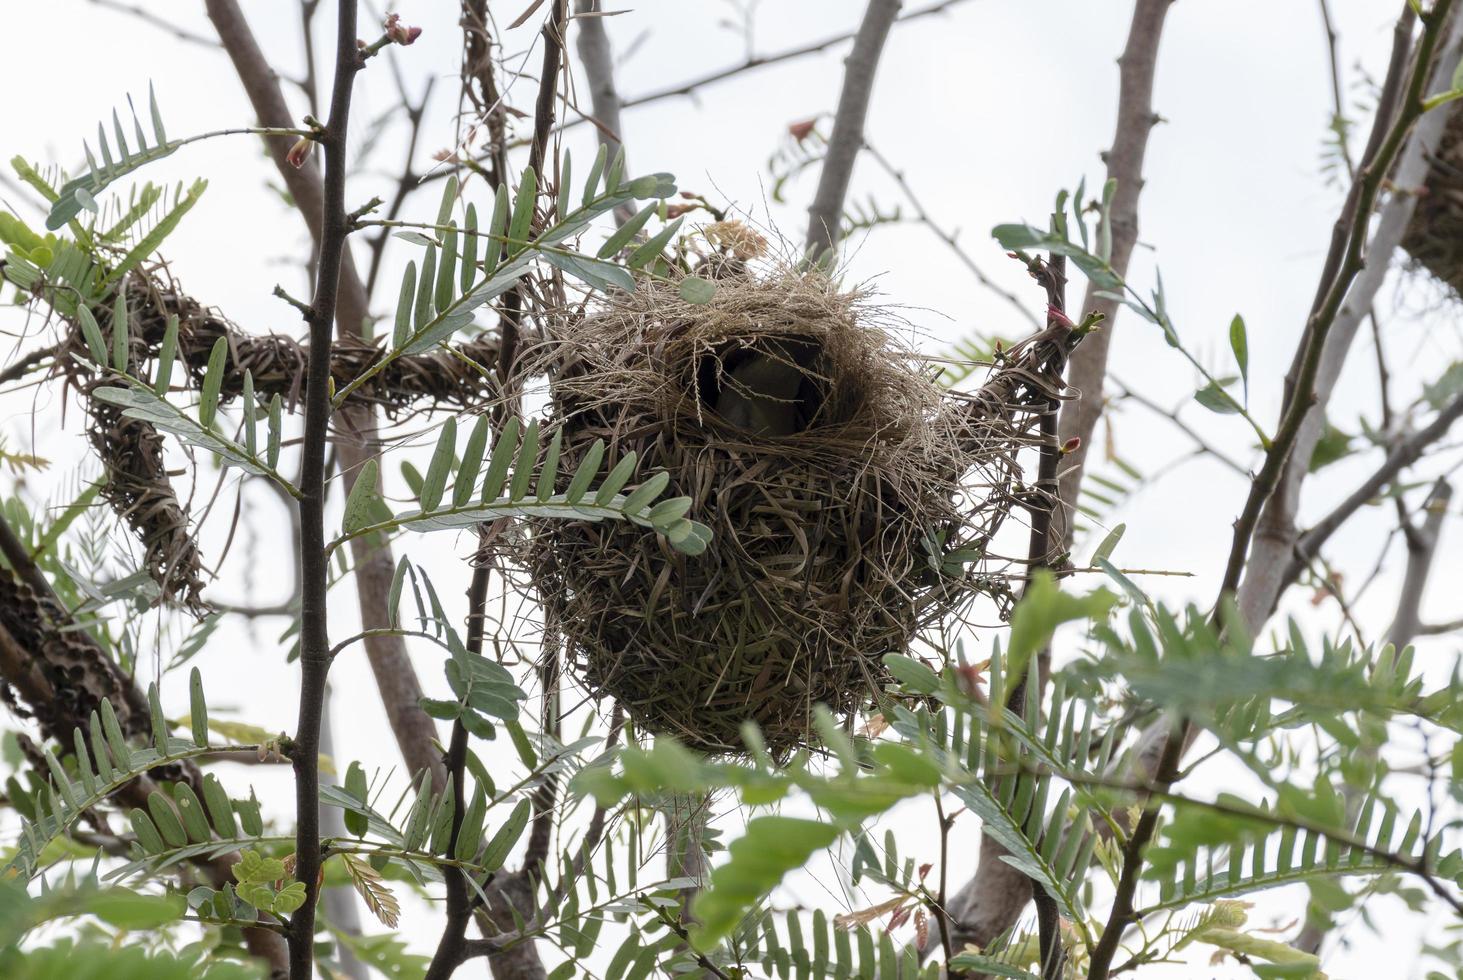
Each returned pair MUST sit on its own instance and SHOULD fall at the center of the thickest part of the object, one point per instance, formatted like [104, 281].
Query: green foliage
[515, 483]
[101, 762]
[98, 960]
[770, 847]
[121, 908]
[262, 884]
[435, 302]
[80, 193]
[139, 401]
[1206, 854]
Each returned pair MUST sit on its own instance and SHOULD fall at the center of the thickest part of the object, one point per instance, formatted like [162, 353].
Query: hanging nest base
[846, 491]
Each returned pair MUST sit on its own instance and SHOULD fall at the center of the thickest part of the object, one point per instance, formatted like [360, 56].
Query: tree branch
[825, 216]
[592, 42]
[452, 946]
[1136, 119]
[1274, 539]
[761, 61]
[356, 438]
[1403, 455]
[314, 564]
[992, 901]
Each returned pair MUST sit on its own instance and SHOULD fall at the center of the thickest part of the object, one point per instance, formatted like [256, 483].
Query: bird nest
[1434, 237]
[853, 502]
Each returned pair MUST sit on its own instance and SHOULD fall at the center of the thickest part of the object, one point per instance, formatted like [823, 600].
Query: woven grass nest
[1434, 237]
[826, 499]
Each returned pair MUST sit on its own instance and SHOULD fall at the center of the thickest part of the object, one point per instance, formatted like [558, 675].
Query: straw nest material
[1434, 237]
[836, 504]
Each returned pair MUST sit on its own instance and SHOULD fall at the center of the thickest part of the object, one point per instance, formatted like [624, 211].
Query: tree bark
[825, 216]
[1136, 119]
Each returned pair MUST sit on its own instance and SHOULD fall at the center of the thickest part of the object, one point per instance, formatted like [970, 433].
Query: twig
[948, 237]
[451, 947]
[27, 363]
[1276, 534]
[314, 565]
[1122, 913]
[1403, 455]
[690, 86]
[1132, 394]
[825, 216]
[1347, 258]
[1337, 100]
[993, 899]
[356, 437]
[687, 87]
[1439, 629]
[680, 930]
[161, 23]
[406, 182]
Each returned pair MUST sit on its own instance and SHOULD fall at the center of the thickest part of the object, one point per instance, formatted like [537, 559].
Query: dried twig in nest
[853, 502]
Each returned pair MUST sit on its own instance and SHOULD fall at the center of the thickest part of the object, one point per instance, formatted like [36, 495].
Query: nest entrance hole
[771, 386]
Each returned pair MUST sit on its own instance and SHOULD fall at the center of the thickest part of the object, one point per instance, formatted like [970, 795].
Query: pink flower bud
[400, 33]
[1056, 316]
[1072, 445]
[802, 130]
[300, 152]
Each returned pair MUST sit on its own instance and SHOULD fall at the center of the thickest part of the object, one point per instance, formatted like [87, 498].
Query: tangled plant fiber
[853, 501]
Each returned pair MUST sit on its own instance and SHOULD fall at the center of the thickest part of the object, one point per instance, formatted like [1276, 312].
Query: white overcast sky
[989, 109]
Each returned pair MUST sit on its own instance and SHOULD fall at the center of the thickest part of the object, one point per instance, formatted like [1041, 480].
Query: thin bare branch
[946, 236]
[158, 21]
[1404, 454]
[690, 86]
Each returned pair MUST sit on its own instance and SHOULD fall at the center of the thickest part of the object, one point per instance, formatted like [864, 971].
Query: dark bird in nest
[772, 389]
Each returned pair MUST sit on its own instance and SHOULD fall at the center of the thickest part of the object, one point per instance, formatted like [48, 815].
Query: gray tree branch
[592, 44]
[1136, 120]
[1403, 454]
[1276, 535]
[992, 901]
[825, 216]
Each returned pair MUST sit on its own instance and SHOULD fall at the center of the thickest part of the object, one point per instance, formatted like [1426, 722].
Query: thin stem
[451, 947]
[942, 914]
[1122, 913]
[1403, 454]
[314, 565]
[948, 237]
